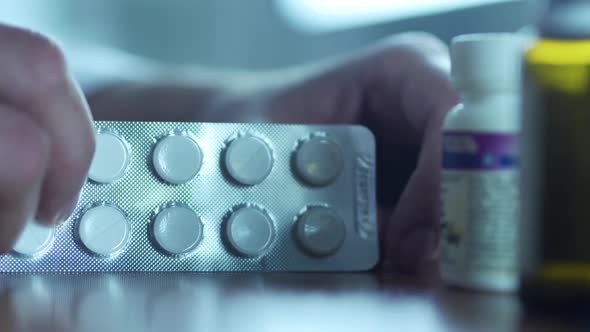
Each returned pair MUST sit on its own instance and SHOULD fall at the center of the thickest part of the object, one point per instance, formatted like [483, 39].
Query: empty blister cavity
[318, 161]
[111, 157]
[104, 229]
[35, 240]
[177, 159]
[320, 231]
[248, 160]
[249, 230]
[177, 229]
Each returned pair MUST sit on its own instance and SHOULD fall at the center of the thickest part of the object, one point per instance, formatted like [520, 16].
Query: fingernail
[67, 211]
[416, 249]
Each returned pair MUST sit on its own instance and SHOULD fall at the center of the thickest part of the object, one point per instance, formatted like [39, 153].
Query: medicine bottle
[479, 189]
[555, 252]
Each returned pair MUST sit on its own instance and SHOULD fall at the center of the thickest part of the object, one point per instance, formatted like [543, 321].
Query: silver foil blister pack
[175, 196]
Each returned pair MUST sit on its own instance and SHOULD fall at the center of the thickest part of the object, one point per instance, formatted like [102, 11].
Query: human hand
[400, 90]
[46, 135]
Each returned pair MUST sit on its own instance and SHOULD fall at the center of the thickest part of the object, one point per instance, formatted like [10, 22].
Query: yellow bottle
[555, 165]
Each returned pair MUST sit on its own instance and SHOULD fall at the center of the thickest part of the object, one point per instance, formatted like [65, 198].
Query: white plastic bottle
[479, 189]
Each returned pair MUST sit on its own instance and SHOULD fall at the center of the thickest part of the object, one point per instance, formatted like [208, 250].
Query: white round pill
[318, 161]
[177, 159]
[320, 231]
[111, 158]
[248, 160]
[250, 231]
[34, 240]
[104, 230]
[177, 229]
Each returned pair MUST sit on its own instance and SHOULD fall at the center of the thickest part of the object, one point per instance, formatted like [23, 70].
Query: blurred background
[255, 34]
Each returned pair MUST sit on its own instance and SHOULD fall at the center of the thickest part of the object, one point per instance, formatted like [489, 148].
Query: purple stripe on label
[479, 151]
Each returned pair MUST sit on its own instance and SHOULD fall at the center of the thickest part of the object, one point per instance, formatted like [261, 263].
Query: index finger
[35, 80]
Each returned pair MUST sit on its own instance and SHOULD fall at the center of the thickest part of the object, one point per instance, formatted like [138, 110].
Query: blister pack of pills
[174, 196]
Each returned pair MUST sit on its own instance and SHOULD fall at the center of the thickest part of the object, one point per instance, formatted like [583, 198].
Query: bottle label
[479, 197]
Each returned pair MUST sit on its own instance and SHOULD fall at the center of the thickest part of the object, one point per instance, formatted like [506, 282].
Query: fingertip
[68, 210]
[11, 226]
[66, 177]
[54, 219]
[417, 250]
[45, 221]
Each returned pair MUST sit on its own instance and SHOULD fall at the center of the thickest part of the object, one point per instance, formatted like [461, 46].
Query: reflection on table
[252, 302]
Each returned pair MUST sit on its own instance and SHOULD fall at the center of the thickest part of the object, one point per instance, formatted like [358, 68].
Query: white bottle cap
[104, 230]
[34, 240]
[111, 158]
[177, 159]
[487, 62]
[250, 231]
[177, 229]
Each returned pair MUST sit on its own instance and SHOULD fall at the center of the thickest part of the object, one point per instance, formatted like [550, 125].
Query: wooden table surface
[255, 302]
